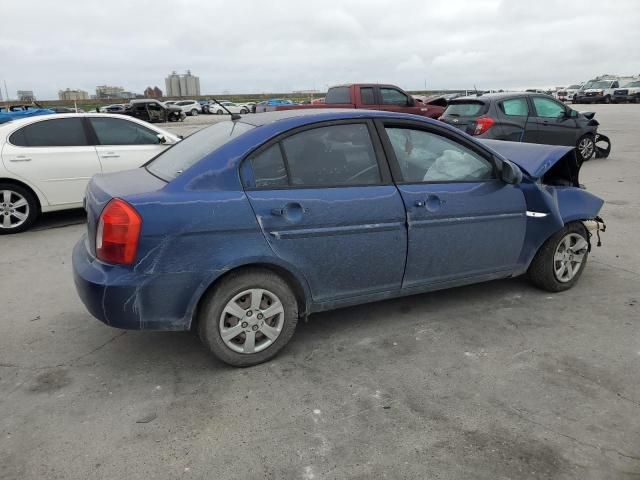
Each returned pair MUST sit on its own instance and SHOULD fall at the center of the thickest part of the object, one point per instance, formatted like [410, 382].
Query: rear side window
[465, 109]
[175, 160]
[332, 156]
[268, 168]
[516, 107]
[115, 131]
[391, 96]
[366, 96]
[62, 132]
[338, 95]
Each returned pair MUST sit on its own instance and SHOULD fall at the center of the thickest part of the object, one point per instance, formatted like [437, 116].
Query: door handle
[110, 155]
[20, 159]
[278, 212]
[291, 211]
[420, 203]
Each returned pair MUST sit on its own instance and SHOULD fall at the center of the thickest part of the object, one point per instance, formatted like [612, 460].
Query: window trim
[383, 167]
[87, 134]
[382, 124]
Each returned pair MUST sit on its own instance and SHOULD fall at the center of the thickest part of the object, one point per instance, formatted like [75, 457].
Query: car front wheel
[561, 259]
[586, 147]
[248, 318]
[18, 209]
[194, 112]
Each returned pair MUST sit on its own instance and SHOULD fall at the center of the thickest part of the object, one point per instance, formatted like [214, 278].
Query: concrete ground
[494, 381]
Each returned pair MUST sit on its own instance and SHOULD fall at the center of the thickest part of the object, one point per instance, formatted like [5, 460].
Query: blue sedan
[247, 225]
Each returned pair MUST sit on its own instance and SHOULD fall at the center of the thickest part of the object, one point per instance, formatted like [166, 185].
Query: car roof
[487, 97]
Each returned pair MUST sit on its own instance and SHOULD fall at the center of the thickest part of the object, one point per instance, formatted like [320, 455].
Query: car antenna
[476, 90]
[234, 116]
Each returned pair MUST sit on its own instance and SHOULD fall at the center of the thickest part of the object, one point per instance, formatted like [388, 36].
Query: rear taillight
[483, 124]
[118, 233]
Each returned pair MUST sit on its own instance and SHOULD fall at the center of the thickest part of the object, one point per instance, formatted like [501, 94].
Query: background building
[69, 94]
[154, 92]
[182, 85]
[26, 96]
[105, 91]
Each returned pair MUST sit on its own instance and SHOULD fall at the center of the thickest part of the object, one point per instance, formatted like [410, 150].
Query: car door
[54, 155]
[554, 126]
[325, 201]
[122, 144]
[515, 121]
[463, 223]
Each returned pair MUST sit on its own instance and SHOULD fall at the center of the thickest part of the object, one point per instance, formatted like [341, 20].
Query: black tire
[218, 297]
[542, 269]
[219, 112]
[244, 111]
[579, 151]
[194, 112]
[607, 99]
[32, 208]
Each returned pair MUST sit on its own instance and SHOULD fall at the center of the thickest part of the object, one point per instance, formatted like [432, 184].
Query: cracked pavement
[492, 381]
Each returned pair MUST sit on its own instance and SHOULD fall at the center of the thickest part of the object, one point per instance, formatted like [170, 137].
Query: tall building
[69, 94]
[182, 85]
[105, 91]
[26, 96]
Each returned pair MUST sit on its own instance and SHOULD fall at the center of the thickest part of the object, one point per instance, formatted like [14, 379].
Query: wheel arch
[297, 284]
[38, 196]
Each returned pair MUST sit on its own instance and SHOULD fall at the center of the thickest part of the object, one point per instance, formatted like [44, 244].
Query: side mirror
[511, 174]
[161, 138]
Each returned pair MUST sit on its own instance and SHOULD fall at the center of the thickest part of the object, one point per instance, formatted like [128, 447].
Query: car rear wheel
[561, 260]
[248, 318]
[18, 209]
[586, 147]
[194, 112]
[244, 111]
[607, 99]
[219, 112]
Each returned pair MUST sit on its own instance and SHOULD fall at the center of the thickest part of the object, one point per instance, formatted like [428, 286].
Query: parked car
[265, 105]
[189, 107]
[247, 225]
[597, 91]
[231, 106]
[204, 104]
[568, 93]
[115, 108]
[150, 110]
[372, 97]
[47, 161]
[524, 117]
[629, 92]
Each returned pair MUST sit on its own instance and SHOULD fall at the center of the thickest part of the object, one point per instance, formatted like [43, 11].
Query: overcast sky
[282, 45]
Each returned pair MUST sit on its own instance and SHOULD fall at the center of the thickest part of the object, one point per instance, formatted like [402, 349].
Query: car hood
[535, 160]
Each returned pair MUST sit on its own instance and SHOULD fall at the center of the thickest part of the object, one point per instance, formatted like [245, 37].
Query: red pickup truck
[372, 97]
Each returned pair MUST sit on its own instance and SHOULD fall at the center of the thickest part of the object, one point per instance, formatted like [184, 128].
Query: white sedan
[47, 161]
[232, 107]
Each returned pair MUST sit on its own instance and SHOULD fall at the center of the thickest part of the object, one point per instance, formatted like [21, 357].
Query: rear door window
[366, 96]
[465, 109]
[515, 107]
[332, 156]
[61, 132]
[268, 168]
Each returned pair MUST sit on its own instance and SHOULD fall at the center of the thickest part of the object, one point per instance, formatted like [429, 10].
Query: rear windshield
[465, 109]
[194, 148]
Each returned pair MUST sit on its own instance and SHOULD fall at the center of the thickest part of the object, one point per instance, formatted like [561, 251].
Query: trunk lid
[463, 114]
[102, 188]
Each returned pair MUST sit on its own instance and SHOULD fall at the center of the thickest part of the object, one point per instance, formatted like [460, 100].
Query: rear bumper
[123, 298]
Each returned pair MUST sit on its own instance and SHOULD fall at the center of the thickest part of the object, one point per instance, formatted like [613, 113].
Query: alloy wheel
[14, 209]
[251, 321]
[586, 147]
[569, 256]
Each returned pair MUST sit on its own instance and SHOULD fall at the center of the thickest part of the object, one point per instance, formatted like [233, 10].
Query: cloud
[257, 46]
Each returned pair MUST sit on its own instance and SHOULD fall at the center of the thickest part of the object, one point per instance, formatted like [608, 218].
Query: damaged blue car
[250, 224]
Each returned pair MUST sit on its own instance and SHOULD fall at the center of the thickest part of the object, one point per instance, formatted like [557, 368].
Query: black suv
[153, 111]
[523, 117]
